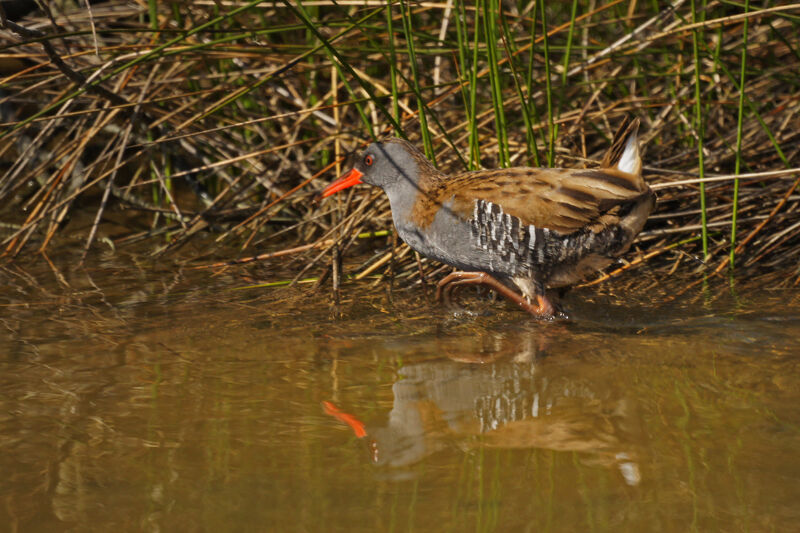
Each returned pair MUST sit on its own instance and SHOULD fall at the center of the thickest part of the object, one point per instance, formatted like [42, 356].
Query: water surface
[169, 400]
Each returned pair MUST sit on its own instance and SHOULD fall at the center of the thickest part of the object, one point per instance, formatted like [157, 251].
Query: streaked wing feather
[560, 200]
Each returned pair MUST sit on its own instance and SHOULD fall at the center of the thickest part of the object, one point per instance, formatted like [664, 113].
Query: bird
[523, 228]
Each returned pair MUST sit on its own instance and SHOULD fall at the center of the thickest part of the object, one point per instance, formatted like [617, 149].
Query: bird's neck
[412, 189]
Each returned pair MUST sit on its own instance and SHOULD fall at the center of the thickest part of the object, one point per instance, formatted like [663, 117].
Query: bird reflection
[513, 400]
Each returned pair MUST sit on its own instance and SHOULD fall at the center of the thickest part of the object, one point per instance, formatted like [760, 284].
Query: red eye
[368, 161]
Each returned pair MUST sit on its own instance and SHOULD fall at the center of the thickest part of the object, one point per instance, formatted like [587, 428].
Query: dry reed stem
[231, 133]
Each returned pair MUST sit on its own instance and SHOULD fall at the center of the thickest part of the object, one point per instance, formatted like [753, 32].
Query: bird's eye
[368, 160]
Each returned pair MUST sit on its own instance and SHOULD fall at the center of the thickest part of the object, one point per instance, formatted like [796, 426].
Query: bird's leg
[449, 295]
[545, 309]
[445, 291]
[445, 287]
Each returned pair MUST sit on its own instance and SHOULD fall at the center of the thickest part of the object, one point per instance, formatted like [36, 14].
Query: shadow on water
[161, 399]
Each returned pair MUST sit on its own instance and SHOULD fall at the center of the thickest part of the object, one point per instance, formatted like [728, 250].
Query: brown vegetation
[225, 119]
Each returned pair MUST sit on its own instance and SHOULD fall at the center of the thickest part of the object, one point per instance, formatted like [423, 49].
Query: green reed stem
[532, 146]
[490, 29]
[468, 76]
[508, 43]
[567, 53]
[393, 64]
[739, 137]
[474, 144]
[464, 69]
[698, 115]
[412, 60]
[551, 136]
[152, 10]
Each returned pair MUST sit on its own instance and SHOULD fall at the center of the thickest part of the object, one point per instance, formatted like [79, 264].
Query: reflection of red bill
[355, 424]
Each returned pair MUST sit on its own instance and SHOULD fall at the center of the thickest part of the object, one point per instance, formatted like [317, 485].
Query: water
[169, 400]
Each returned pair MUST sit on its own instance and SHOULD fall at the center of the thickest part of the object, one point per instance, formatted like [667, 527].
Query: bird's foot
[550, 309]
[446, 291]
[451, 282]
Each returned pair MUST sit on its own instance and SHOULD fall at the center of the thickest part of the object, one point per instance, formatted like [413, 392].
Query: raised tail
[624, 152]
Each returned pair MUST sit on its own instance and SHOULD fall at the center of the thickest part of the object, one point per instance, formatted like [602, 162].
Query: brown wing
[557, 199]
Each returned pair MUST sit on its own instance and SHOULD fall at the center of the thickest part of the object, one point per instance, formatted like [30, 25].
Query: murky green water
[165, 401]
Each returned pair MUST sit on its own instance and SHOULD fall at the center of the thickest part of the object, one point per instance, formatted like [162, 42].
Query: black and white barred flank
[517, 248]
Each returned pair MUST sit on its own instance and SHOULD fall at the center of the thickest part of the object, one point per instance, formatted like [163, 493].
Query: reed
[224, 122]
[739, 119]
[490, 22]
[548, 88]
[699, 125]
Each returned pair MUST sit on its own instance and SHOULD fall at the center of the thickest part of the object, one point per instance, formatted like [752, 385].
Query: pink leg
[452, 281]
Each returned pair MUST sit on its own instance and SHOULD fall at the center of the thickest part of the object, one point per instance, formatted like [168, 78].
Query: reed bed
[221, 121]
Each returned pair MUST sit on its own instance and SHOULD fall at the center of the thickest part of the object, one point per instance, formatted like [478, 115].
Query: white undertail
[629, 161]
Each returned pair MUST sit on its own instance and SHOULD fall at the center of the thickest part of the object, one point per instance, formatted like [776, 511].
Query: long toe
[546, 308]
